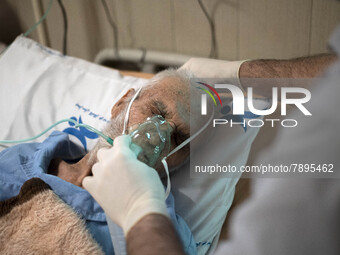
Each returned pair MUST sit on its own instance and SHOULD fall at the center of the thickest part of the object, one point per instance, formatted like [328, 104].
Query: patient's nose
[153, 138]
[158, 135]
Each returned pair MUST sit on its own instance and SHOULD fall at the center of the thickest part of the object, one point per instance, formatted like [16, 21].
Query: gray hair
[115, 127]
[182, 74]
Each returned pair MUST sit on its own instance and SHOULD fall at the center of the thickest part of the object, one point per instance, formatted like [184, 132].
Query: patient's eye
[159, 108]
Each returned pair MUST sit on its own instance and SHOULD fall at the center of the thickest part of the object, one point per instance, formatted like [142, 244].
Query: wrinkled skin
[170, 99]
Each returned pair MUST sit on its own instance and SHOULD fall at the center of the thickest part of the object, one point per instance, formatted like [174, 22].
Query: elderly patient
[61, 165]
[167, 94]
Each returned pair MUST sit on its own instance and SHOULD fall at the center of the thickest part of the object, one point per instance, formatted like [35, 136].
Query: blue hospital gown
[25, 161]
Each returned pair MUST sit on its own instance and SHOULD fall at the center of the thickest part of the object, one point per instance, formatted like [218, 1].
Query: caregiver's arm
[256, 73]
[305, 67]
[251, 73]
[153, 234]
[132, 195]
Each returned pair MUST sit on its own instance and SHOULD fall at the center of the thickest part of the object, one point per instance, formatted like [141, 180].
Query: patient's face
[169, 98]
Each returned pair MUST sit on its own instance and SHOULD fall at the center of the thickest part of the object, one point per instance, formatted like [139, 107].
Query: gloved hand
[213, 68]
[126, 188]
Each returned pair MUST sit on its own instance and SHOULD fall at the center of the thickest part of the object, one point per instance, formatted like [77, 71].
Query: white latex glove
[213, 68]
[126, 188]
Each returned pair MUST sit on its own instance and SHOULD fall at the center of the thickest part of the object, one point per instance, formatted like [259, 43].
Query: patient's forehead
[171, 86]
[171, 92]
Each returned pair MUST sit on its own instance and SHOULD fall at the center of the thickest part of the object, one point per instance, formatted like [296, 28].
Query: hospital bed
[40, 86]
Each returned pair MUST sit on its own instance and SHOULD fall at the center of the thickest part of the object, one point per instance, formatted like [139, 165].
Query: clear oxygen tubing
[32, 28]
[108, 139]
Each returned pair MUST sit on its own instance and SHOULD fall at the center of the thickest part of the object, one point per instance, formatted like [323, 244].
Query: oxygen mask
[151, 139]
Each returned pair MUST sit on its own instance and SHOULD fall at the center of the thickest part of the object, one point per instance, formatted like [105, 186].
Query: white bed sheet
[39, 87]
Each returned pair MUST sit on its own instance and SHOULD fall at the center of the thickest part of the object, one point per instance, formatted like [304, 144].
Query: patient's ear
[120, 105]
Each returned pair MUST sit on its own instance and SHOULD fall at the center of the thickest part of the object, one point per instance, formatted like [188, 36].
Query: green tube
[106, 138]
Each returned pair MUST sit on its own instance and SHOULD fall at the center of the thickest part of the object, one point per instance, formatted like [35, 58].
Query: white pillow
[39, 87]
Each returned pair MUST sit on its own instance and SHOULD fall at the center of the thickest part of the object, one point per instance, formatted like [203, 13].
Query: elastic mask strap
[165, 164]
[168, 184]
[192, 137]
[127, 114]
